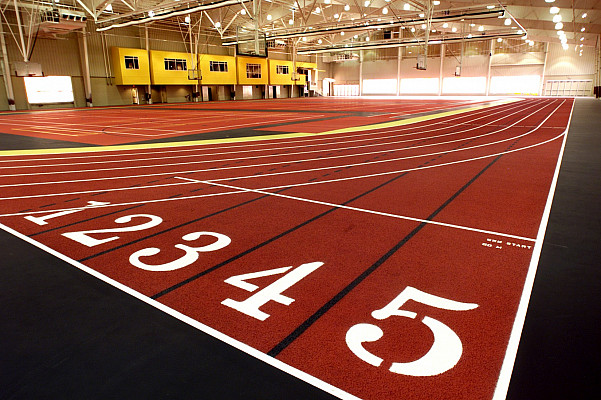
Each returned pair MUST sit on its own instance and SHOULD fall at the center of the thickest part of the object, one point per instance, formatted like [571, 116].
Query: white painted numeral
[191, 252]
[84, 238]
[42, 220]
[273, 292]
[445, 351]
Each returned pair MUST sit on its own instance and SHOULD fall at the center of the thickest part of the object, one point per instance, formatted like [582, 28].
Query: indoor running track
[387, 261]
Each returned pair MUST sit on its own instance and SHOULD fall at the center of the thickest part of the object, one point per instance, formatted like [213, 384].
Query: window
[131, 62]
[282, 69]
[218, 66]
[253, 71]
[175, 64]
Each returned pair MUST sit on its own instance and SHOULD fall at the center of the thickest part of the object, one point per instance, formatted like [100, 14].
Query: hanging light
[304, 38]
[187, 19]
[269, 17]
[412, 29]
[481, 28]
[317, 10]
[454, 29]
[342, 33]
[327, 1]
[217, 24]
[469, 36]
[319, 41]
[151, 13]
[531, 43]
[243, 11]
[557, 18]
[367, 38]
[559, 25]
[582, 39]
[549, 1]
[406, 7]
[584, 15]
[445, 25]
[499, 40]
[336, 16]
[347, 7]
[554, 10]
[507, 21]
[109, 8]
[436, 2]
[385, 10]
[290, 22]
[423, 26]
[565, 46]
[582, 29]
[366, 3]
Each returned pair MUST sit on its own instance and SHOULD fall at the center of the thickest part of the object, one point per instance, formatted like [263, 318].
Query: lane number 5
[445, 351]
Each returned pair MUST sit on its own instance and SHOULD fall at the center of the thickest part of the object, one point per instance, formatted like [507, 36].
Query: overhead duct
[408, 42]
[169, 13]
[444, 16]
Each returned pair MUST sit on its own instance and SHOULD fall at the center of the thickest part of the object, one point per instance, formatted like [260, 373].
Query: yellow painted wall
[280, 79]
[241, 67]
[217, 78]
[160, 76]
[124, 76]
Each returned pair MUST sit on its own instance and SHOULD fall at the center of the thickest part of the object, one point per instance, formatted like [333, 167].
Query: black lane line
[332, 302]
[277, 349]
[272, 239]
[85, 220]
[266, 242]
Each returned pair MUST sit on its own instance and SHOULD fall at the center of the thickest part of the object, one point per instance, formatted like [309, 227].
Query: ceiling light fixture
[507, 21]
[151, 13]
[347, 7]
[290, 22]
[584, 15]
[269, 17]
[243, 11]
[559, 25]
[453, 29]
[582, 29]
[217, 24]
[406, 7]
[557, 18]
[481, 28]
[553, 10]
[385, 10]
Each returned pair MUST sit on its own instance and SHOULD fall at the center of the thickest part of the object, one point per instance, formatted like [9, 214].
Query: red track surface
[114, 125]
[450, 207]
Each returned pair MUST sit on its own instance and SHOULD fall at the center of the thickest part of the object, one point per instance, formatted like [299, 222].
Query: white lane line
[190, 321]
[421, 138]
[300, 161]
[518, 323]
[294, 185]
[364, 210]
[309, 139]
[32, 196]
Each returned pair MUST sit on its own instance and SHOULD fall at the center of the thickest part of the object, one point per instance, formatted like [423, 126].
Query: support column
[492, 50]
[360, 72]
[542, 77]
[87, 83]
[398, 64]
[8, 83]
[442, 51]
[148, 87]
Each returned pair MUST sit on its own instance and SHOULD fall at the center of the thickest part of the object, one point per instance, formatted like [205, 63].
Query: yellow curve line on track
[254, 138]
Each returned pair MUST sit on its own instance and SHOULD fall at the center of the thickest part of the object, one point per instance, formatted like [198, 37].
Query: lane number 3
[445, 351]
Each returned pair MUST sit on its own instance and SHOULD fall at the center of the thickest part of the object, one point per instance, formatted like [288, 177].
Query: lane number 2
[445, 351]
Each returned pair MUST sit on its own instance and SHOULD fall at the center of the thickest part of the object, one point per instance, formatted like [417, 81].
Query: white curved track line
[285, 162]
[292, 185]
[320, 137]
[303, 146]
